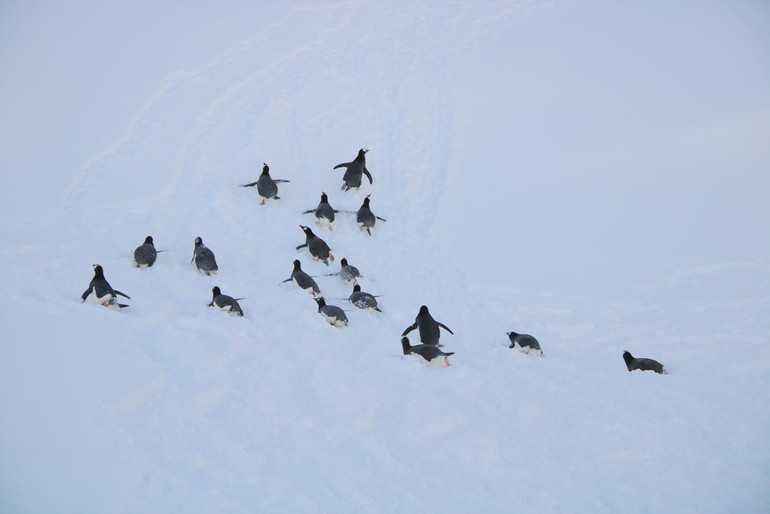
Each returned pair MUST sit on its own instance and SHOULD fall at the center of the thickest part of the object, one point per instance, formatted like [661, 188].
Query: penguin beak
[365, 150]
[94, 266]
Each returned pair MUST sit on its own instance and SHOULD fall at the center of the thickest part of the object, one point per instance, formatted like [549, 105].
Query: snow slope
[591, 175]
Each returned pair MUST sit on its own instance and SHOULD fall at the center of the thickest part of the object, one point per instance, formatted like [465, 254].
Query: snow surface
[595, 175]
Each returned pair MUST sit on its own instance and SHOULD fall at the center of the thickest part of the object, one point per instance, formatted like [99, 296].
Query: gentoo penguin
[353, 171]
[317, 246]
[527, 343]
[363, 300]
[333, 314]
[430, 354]
[102, 290]
[347, 272]
[303, 280]
[366, 218]
[324, 212]
[266, 185]
[225, 303]
[429, 327]
[145, 254]
[204, 258]
[633, 363]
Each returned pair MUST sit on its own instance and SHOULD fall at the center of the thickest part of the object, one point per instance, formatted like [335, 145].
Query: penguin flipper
[301, 246]
[445, 327]
[343, 165]
[250, 184]
[368, 175]
[124, 295]
[309, 211]
[287, 280]
[87, 292]
[122, 305]
[381, 219]
[409, 329]
[281, 181]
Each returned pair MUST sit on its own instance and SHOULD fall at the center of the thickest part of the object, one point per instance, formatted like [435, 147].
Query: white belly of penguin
[335, 321]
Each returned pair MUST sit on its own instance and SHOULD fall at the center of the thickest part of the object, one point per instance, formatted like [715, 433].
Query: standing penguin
[429, 353]
[333, 314]
[303, 280]
[225, 303]
[145, 254]
[266, 185]
[366, 218]
[324, 212]
[354, 170]
[204, 259]
[317, 246]
[102, 290]
[632, 363]
[527, 343]
[363, 300]
[429, 327]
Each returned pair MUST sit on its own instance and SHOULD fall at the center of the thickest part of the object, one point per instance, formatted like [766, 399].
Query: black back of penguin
[642, 364]
[266, 186]
[145, 254]
[428, 327]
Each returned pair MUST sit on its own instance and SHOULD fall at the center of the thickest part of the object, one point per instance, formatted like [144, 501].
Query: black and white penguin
[632, 363]
[303, 280]
[103, 292]
[333, 314]
[145, 254]
[366, 218]
[324, 213]
[204, 258]
[354, 170]
[266, 186]
[225, 303]
[363, 300]
[430, 354]
[347, 272]
[317, 246]
[526, 343]
[429, 327]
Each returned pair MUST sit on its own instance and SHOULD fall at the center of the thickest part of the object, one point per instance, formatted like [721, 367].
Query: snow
[592, 175]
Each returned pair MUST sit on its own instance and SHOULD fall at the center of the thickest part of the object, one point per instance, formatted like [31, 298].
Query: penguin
[632, 363]
[102, 290]
[354, 170]
[429, 354]
[527, 343]
[363, 300]
[333, 314]
[347, 272]
[303, 280]
[145, 254]
[204, 259]
[429, 327]
[266, 185]
[324, 212]
[317, 246]
[225, 303]
[366, 218]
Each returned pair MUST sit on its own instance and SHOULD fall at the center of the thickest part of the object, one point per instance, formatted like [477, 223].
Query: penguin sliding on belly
[333, 314]
[429, 327]
[366, 218]
[430, 354]
[225, 303]
[267, 187]
[641, 364]
[363, 300]
[103, 292]
[347, 272]
[302, 279]
[324, 213]
[526, 343]
[354, 170]
[316, 246]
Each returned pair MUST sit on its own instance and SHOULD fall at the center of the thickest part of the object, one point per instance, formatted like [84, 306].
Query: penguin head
[215, 291]
[343, 262]
[321, 303]
[512, 336]
[148, 240]
[362, 153]
[356, 288]
[265, 168]
[198, 241]
[627, 357]
[366, 201]
[405, 346]
[297, 265]
[324, 198]
[307, 231]
[424, 310]
[98, 271]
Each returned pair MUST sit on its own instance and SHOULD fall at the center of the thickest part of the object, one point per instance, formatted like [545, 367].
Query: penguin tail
[122, 305]
[368, 231]
[124, 295]
[381, 219]
[250, 184]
